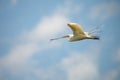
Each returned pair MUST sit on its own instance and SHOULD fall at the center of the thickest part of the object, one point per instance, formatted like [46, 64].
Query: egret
[78, 34]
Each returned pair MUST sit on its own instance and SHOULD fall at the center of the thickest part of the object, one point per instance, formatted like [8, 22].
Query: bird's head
[68, 36]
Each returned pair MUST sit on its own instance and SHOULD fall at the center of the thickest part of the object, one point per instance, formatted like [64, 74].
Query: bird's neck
[70, 36]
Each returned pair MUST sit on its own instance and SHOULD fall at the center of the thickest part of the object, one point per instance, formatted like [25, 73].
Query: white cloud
[48, 27]
[21, 53]
[19, 58]
[80, 67]
[70, 8]
[104, 10]
[49, 73]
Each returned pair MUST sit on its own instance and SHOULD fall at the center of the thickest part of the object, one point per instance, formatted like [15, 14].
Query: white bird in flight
[78, 34]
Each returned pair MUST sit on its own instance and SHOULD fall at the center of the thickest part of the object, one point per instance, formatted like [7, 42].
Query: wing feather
[76, 28]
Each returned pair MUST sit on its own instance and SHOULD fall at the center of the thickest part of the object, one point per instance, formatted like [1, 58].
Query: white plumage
[78, 33]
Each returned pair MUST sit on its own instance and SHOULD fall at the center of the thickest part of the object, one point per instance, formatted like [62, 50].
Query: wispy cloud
[19, 59]
[47, 26]
[104, 11]
[80, 67]
[21, 53]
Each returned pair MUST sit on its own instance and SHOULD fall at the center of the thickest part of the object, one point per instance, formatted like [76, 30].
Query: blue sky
[27, 25]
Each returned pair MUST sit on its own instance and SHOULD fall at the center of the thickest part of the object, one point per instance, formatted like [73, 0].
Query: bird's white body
[78, 33]
[76, 38]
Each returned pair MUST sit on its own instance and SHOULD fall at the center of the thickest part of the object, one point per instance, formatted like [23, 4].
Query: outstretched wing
[76, 28]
